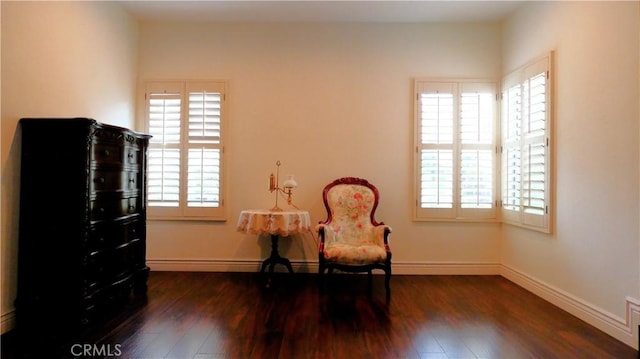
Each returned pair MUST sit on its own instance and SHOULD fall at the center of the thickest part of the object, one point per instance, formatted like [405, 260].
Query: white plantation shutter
[526, 190]
[204, 154]
[477, 117]
[437, 118]
[164, 177]
[534, 148]
[477, 149]
[511, 149]
[203, 189]
[456, 150]
[476, 178]
[436, 181]
[185, 154]
[164, 117]
[436, 104]
[511, 179]
[204, 116]
[533, 178]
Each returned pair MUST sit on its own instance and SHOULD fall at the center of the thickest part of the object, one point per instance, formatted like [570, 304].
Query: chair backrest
[351, 204]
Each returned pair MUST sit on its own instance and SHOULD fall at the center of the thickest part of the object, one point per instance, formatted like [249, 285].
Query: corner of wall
[623, 329]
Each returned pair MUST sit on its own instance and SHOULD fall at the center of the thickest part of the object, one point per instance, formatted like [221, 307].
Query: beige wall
[592, 256]
[58, 59]
[332, 100]
[328, 100]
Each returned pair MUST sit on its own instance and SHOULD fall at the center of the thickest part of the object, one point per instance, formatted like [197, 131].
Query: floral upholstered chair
[351, 240]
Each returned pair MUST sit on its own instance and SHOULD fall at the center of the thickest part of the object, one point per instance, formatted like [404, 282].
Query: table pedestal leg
[275, 259]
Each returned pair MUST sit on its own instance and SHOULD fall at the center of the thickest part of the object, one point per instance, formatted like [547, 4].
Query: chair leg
[387, 279]
[321, 278]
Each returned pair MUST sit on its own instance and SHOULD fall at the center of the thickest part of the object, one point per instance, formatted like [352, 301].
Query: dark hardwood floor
[231, 315]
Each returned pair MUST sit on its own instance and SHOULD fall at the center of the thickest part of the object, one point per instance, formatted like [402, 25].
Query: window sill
[457, 220]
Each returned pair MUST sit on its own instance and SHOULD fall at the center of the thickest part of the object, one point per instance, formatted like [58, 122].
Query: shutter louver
[534, 151]
[476, 179]
[533, 179]
[163, 177]
[204, 117]
[203, 168]
[535, 107]
[164, 117]
[476, 118]
[476, 156]
[163, 173]
[203, 188]
[511, 179]
[437, 118]
[511, 158]
[436, 113]
[436, 186]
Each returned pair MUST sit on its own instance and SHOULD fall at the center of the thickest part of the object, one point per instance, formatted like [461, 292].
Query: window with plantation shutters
[526, 138]
[186, 152]
[455, 150]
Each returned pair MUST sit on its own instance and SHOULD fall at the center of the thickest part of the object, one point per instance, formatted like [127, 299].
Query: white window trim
[456, 213]
[182, 213]
[541, 222]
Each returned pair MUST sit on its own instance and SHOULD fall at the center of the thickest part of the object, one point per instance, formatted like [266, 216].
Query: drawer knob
[105, 152]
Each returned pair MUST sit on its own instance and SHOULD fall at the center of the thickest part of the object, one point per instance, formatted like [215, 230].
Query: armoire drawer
[112, 180]
[132, 155]
[107, 153]
[113, 207]
[104, 235]
[100, 268]
[115, 153]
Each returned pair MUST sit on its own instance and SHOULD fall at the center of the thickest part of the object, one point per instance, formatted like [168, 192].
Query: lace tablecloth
[283, 223]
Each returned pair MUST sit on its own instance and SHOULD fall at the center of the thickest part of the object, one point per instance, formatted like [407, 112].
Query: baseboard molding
[446, 268]
[300, 266]
[7, 321]
[223, 265]
[202, 265]
[623, 329]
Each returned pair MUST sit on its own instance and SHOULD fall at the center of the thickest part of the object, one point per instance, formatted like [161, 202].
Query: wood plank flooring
[231, 315]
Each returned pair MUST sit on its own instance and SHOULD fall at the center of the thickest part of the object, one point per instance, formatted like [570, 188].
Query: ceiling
[320, 11]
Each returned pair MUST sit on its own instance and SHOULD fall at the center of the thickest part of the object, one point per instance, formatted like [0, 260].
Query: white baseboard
[623, 329]
[446, 268]
[220, 265]
[202, 265]
[415, 268]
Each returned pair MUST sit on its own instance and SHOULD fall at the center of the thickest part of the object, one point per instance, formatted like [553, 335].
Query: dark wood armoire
[82, 231]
